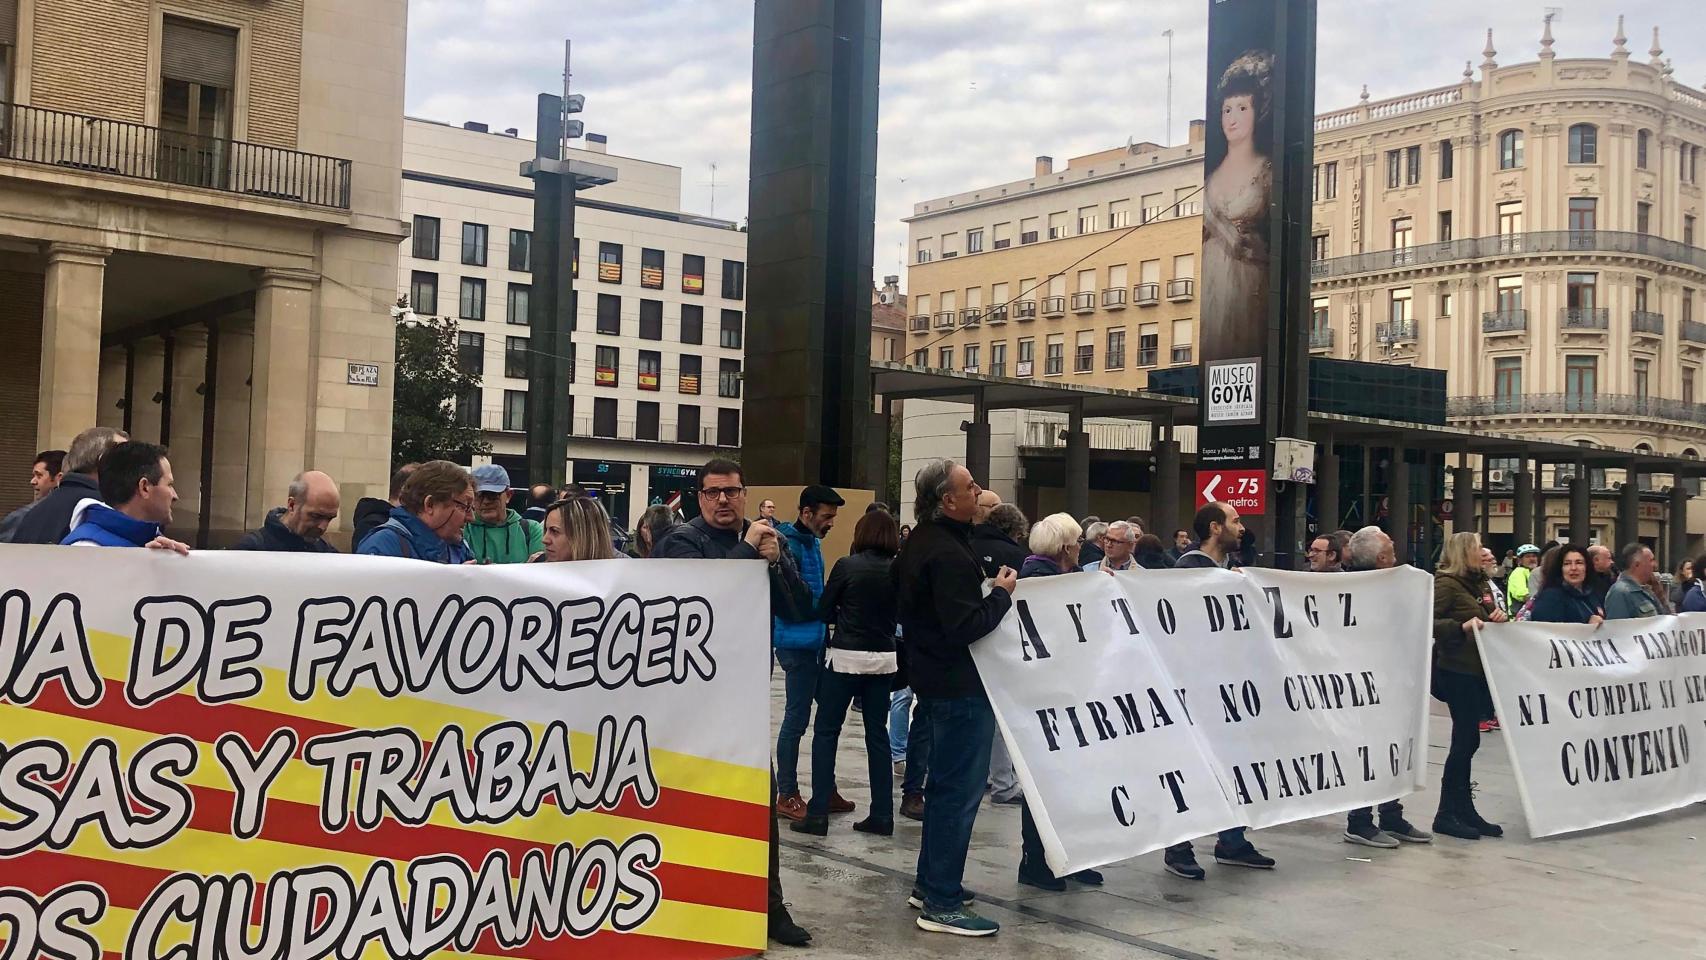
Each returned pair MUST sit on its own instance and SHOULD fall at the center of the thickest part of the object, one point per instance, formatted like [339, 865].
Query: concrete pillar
[1077, 465]
[1398, 504]
[282, 399]
[109, 407]
[1629, 507]
[147, 389]
[1327, 511]
[230, 473]
[1522, 507]
[1678, 525]
[70, 343]
[189, 365]
[1463, 498]
[1164, 504]
[977, 441]
[1540, 528]
[1581, 506]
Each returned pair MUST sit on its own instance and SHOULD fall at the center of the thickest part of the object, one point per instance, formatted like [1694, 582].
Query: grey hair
[298, 489]
[1053, 534]
[1009, 519]
[1094, 531]
[88, 447]
[932, 487]
[1363, 550]
[1118, 526]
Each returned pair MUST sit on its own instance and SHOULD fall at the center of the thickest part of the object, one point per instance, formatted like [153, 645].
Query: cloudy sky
[972, 90]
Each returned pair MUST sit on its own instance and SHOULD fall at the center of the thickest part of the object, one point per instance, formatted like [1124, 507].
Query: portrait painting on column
[1238, 190]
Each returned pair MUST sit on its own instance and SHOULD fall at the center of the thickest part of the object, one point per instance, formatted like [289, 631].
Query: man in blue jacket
[136, 483]
[799, 646]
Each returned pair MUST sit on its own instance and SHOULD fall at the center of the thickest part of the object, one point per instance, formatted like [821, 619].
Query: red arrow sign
[1244, 490]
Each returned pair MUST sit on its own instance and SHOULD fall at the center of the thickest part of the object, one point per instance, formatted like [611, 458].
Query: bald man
[310, 507]
[986, 501]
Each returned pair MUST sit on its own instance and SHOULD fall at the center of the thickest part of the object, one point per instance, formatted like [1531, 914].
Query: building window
[468, 407]
[1687, 305]
[605, 367]
[1642, 368]
[1509, 294]
[687, 424]
[1027, 230]
[688, 381]
[1584, 143]
[1119, 213]
[729, 334]
[1315, 184]
[734, 280]
[604, 417]
[945, 358]
[924, 251]
[1643, 217]
[1688, 385]
[521, 251]
[1399, 312]
[471, 352]
[1445, 305]
[921, 358]
[651, 370]
[1054, 361]
[998, 359]
[1115, 359]
[1583, 213]
[1182, 341]
[728, 427]
[1510, 149]
[473, 299]
[1507, 384]
[1084, 356]
[1087, 220]
[1510, 220]
[646, 420]
[651, 268]
[575, 259]
[1445, 226]
[1318, 247]
[474, 244]
[515, 357]
[1057, 225]
[1403, 238]
[651, 319]
[1581, 382]
[1331, 180]
[1027, 358]
[610, 262]
[728, 379]
[1320, 317]
[950, 245]
[1641, 287]
[1642, 139]
[692, 323]
[974, 241]
[610, 314]
[517, 307]
[1148, 345]
[198, 72]
[1446, 159]
[1580, 291]
[1688, 230]
[515, 411]
[1394, 168]
[423, 293]
[693, 274]
[1004, 235]
[426, 238]
[972, 357]
[1412, 166]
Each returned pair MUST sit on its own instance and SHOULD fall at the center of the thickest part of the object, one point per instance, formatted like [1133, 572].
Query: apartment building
[199, 220]
[659, 312]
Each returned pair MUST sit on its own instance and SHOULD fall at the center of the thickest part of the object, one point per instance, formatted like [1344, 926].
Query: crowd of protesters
[886, 631]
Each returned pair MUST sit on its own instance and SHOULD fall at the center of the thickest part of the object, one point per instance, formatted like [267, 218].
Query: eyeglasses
[721, 493]
[466, 506]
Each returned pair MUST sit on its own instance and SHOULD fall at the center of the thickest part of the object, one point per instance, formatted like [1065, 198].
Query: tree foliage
[428, 379]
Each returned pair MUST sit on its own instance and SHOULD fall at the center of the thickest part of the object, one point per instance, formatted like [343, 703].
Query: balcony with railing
[945, 320]
[1508, 245]
[1025, 310]
[996, 316]
[1595, 404]
[1321, 338]
[971, 317]
[1114, 298]
[920, 324]
[1396, 332]
[1183, 289]
[1646, 323]
[70, 141]
[1693, 331]
[1083, 302]
[1054, 306]
[1504, 321]
[1146, 294]
[1583, 319]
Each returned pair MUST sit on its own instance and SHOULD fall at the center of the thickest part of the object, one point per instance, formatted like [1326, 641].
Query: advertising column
[1255, 281]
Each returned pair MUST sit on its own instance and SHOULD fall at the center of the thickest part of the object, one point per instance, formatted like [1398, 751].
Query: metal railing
[996, 316]
[1600, 404]
[920, 324]
[1025, 309]
[971, 317]
[1647, 321]
[1511, 244]
[1694, 331]
[1504, 321]
[945, 320]
[1321, 338]
[1147, 294]
[1181, 289]
[1054, 306]
[1083, 302]
[116, 148]
[1398, 331]
[1584, 318]
[1114, 297]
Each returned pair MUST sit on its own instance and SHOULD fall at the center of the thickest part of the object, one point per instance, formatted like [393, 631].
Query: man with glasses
[1327, 551]
[310, 508]
[722, 532]
[1118, 544]
[499, 534]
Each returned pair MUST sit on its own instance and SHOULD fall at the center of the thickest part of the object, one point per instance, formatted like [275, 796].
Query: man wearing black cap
[799, 647]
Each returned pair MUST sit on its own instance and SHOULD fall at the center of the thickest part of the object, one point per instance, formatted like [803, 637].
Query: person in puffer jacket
[799, 646]
[136, 483]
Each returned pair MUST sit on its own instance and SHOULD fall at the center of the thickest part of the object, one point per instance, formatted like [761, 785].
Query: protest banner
[1155, 706]
[284, 756]
[1600, 721]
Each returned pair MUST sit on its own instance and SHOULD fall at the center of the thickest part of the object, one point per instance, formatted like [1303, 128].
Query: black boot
[816, 826]
[1450, 821]
[1474, 819]
[1040, 876]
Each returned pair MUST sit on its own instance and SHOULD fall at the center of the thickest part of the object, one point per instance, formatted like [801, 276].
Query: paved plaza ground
[1632, 892]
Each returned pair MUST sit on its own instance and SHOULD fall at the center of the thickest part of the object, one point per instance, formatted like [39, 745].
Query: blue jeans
[800, 669]
[918, 745]
[834, 692]
[965, 728]
[900, 721]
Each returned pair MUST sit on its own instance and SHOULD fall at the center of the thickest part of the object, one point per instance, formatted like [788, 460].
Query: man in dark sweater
[49, 521]
[943, 611]
[722, 532]
[1219, 532]
[310, 506]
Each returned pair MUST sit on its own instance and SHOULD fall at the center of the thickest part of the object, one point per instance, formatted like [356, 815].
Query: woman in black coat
[859, 599]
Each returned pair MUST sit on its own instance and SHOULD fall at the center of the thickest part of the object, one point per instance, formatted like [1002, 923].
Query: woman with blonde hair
[1463, 603]
[576, 529]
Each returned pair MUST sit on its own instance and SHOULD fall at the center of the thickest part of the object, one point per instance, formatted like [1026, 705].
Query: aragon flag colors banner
[1150, 707]
[1600, 722]
[304, 757]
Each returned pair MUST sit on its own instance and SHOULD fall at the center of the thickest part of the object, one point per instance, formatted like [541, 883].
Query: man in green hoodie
[499, 534]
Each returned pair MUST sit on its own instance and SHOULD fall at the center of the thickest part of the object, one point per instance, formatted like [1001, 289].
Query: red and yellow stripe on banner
[710, 818]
